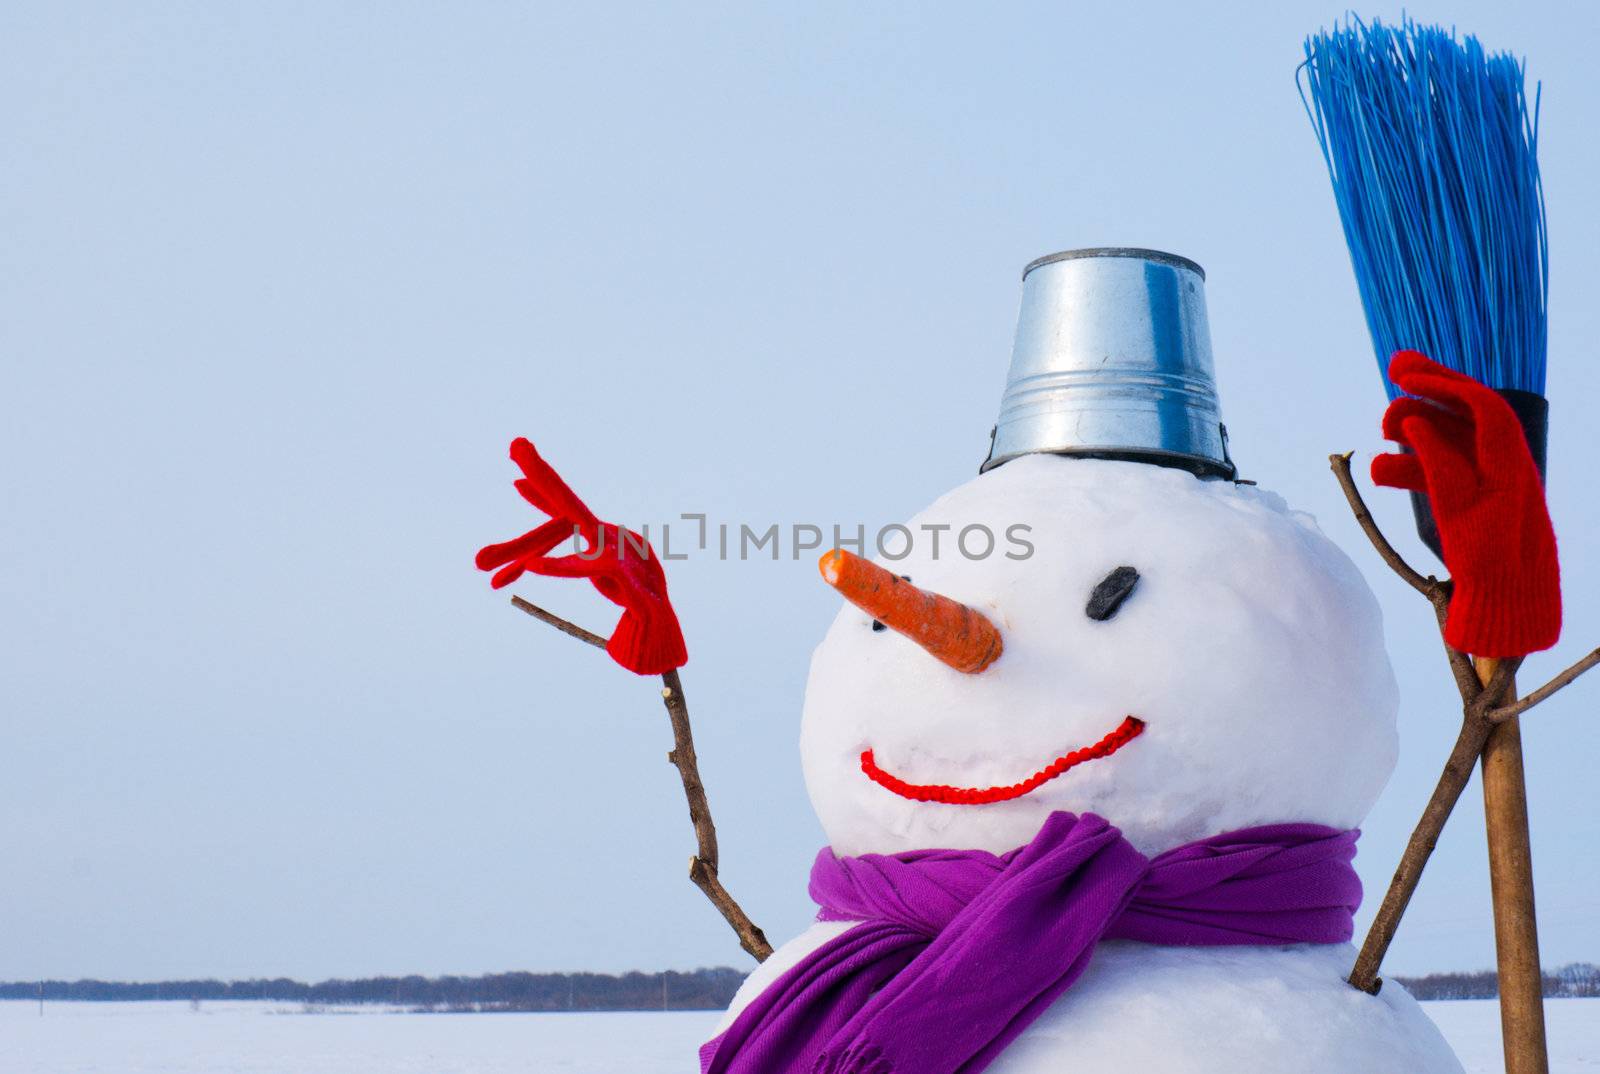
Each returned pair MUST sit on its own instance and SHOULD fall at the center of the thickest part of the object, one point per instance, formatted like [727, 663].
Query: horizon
[1551, 969]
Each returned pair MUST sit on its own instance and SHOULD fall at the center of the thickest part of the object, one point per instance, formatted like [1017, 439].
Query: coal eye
[1108, 596]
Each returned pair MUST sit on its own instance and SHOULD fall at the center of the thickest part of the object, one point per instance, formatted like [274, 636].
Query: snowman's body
[1252, 650]
[1203, 1010]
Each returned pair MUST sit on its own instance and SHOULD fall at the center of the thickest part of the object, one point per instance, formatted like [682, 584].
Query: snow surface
[276, 1038]
[270, 1038]
[1251, 646]
[1472, 1026]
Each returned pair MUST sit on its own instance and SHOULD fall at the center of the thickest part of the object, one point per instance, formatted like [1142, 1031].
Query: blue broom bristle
[1431, 146]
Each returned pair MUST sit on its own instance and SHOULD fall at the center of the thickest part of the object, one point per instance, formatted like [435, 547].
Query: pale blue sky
[281, 281]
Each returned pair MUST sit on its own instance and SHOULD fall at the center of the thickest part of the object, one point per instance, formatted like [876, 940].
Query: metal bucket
[1113, 360]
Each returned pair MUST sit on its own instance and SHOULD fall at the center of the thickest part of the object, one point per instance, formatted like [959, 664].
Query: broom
[1431, 147]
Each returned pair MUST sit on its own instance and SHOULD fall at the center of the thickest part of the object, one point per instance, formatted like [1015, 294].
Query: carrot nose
[949, 630]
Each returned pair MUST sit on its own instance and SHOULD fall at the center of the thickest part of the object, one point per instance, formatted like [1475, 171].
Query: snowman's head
[1248, 653]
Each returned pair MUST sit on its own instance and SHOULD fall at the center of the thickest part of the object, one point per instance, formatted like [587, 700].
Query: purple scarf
[959, 950]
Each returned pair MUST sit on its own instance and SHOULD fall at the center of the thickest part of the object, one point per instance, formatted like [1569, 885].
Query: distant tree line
[1578, 979]
[703, 989]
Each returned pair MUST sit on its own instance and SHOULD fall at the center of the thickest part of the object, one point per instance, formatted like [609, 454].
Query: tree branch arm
[1561, 681]
[570, 629]
[1452, 781]
[703, 866]
[1386, 551]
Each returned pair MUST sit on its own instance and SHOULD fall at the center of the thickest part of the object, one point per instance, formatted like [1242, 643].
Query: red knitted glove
[620, 564]
[1471, 460]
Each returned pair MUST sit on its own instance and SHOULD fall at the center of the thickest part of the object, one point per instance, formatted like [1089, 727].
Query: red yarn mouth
[941, 792]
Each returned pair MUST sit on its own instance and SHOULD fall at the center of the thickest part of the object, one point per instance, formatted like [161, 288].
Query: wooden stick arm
[1489, 730]
[1427, 585]
[1436, 590]
[1548, 690]
[703, 866]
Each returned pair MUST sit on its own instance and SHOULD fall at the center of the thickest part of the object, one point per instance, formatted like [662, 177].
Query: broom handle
[1516, 931]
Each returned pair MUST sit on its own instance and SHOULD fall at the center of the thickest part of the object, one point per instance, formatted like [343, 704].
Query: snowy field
[1472, 1026]
[276, 1038]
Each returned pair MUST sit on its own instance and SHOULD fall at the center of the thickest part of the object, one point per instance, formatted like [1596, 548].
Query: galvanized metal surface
[1113, 359]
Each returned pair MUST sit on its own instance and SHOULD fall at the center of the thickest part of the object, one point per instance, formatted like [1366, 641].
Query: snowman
[1091, 798]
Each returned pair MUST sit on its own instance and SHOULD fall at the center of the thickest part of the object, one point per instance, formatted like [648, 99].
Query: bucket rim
[1136, 253]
